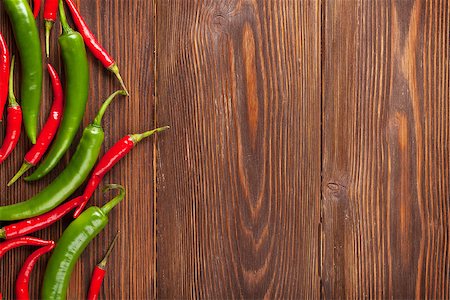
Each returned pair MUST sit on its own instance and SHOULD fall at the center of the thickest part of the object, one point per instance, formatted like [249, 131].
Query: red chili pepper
[4, 74]
[99, 273]
[21, 241]
[23, 279]
[50, 13]
[14, 120]
[48, 131]
[36, 7]
[31, 225]
[94, 46]
[109, 159]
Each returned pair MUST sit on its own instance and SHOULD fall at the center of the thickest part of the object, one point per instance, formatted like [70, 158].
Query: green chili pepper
[27, 40]
[70, 179]
[71, 245]
[76, 94]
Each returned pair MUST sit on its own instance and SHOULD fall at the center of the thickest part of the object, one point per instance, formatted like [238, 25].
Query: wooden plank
[239, 173]
[126, 29]
[386, 147]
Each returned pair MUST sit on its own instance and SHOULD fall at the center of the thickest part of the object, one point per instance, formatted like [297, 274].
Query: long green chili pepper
[70, 179]
[76, 93]
[27, 40]
[71, 245]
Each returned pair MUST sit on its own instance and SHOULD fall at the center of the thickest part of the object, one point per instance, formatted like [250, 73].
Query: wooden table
[309, 153]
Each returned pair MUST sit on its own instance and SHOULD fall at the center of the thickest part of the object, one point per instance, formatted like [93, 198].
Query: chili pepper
[114, 154]
[29, 226]
[50, 11]
[76, 93]
[99, 273]
[70, 179]
[94, 46]
[36, 7]
[13, 119]
[23, 279]
[27, 40]
[4, 74]
[112, 157]
[21, 241]
[48, 131]
[72, 243]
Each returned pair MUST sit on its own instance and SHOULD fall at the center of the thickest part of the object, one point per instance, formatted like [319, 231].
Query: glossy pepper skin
[94, 46]
[71, 245]
[50, 13]
[48, 132]
[21, 241]
[36, 8]
[4, 74]
[27, 40]
[76, 92]
[70, 179]
[99, 273]
[23, 279]
[13, 120]
[109, 160]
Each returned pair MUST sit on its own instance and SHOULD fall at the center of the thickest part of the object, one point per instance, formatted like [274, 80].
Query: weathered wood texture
[386, 145]
[238, 182]
[126, 28]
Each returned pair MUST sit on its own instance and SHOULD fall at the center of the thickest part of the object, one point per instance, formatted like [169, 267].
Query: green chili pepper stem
[115, 69]
[11, 97]
[111, 204]
[140, 136]
[48, 28]
[101, 112]
[104, 261]
[25, 167]
[2, 234]
[62, 16]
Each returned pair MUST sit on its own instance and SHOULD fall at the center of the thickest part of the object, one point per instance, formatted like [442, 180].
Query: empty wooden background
[308, 155]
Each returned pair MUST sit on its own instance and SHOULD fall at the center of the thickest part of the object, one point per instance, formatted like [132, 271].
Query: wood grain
[238, 177]
[126, 29]
[385, 149]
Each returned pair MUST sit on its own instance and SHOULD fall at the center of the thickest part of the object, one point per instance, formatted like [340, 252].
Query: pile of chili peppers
[51, 144]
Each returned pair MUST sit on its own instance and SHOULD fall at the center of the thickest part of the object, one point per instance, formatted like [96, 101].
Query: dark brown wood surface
[308, 155]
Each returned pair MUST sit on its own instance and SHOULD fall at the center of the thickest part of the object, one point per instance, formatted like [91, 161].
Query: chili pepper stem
[140, 136]
[2, 234]
[62, 14]
[25, 167]
[115, 69]
[48, 28]
[11, 97]
[101, 112]
[104, 261]
[111, 204]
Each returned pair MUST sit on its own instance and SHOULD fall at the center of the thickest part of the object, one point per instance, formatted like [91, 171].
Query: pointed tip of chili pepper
[104, 261]
[111, 204]
[25, 167]
[140, 136]
[115, 69]
[48, 28]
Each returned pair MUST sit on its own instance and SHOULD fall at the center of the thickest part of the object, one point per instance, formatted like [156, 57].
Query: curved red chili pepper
[99, 273]
[14, 121]
[40, 222]
[94, 46]
[23, 279]
[21, 241]
[4, 74]
[48, 132]
[109, 159]
[36, 7]
[50, 13]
